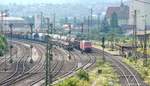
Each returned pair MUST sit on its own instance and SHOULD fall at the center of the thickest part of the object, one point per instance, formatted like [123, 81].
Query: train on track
[67, 42]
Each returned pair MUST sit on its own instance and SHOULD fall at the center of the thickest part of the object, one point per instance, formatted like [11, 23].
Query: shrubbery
[3, 45]
[83, 75]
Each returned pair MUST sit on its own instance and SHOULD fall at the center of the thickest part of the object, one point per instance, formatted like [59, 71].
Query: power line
[143, 1]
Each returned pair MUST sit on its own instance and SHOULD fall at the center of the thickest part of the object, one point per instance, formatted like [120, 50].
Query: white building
[18, 22]
[142, 8]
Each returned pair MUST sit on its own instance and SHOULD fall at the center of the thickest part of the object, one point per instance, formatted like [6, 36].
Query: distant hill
[74, 8]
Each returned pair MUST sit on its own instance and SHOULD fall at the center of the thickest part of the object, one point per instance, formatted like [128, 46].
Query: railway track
[75, 60]
[128, 77]
[5, 59]
[37, 71]
[61, 69]
[19, 67]
[57, 70]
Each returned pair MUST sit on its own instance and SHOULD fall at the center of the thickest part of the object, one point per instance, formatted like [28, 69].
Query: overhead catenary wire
[141, 1]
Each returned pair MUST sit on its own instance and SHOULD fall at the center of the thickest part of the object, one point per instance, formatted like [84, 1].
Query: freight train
[67, 42]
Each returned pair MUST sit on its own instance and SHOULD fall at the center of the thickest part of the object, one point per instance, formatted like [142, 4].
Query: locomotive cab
[86, 46]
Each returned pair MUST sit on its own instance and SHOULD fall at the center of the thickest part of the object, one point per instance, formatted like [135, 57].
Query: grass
[141, 50]
[142, 70]
[105, 78]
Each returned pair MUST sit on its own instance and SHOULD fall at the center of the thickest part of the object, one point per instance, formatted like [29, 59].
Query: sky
[51, 1]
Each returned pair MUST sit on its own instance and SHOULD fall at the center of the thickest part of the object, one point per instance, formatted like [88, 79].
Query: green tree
[114, 26]
[114, 20]
[105, 26]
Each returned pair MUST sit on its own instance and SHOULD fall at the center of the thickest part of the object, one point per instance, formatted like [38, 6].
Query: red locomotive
[85, 46]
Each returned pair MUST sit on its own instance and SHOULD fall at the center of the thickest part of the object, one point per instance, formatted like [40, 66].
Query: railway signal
[103, 46]
[5, 69]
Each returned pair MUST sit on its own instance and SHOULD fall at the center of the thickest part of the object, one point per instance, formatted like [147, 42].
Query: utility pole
[91, 17]
[88, 26]
[135, 35]
[103, 46]
[69, 40]
[66, 20]
[11, 46]
[2, 22]
[98, 21]
[145, 43]
[54, 22]
[41, 21]
[31, 46]
[82, 26]
[49, 55]
[75, 21]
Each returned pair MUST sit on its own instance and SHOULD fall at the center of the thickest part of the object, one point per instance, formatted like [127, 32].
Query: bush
[69, 82]
[83, 75]
[3, 45]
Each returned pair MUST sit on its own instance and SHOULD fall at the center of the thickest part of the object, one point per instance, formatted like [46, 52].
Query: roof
[122, 11]
[140, 33]
[13, 19]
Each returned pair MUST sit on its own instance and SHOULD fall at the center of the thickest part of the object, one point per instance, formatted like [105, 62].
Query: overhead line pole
[88, 26]
[145, 42]
[69, 40]
[49, 55]
[135, 35]
[54, 21]
[2, 22]
[11, 46]
[91, 17]
[31, 46]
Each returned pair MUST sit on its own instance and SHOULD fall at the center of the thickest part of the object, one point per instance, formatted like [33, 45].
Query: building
[142, 9]
[18, 23]
[122, 12]
[38, 22]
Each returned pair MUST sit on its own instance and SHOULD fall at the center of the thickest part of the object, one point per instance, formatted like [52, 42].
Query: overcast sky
[51, 1]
